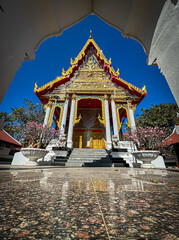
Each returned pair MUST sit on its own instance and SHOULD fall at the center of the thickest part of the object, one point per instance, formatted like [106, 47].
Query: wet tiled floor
[89, 203]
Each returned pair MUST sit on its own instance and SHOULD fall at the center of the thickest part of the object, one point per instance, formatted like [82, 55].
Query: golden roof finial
[144, 88]
[63, 72]
[109, 61]
[35, 88]
[90, 34]
[117, 72]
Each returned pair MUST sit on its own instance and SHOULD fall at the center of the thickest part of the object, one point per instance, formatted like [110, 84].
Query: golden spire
[63, 72]
[117, 71]
[90, 37]
[144, 88]
[35, 88]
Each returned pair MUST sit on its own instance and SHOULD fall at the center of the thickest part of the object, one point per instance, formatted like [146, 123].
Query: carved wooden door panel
[98, 140]
[79, 140]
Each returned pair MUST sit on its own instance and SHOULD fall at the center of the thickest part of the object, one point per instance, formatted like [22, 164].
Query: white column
[114, 117]
[47, 114]
[71, 121]
[131, 117]
[64, 116]
[108, 130]
[88, 138]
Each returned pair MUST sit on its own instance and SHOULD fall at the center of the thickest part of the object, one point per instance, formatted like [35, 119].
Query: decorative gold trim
[90, 37]
[67, 96]
[59, 121]
[77, 120]
[50, 102]
[106, 97]
[117, 72]
[90, 97]
[144, 89]
[52, 113]
[112, 97]
[79, 57]
[35, 88]
[74, 97]
[131, 106]
[118, 117]
[101, 120]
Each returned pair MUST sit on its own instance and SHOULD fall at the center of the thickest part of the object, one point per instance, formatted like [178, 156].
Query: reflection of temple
[90, 98]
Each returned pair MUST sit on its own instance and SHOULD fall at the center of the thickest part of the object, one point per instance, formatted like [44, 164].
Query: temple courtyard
[88, 203]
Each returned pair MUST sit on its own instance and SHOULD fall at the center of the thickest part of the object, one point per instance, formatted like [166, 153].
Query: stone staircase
[117, 159]
[82, 157]
[59, 161]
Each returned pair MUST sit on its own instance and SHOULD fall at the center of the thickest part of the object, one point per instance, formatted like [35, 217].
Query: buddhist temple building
[90, 102]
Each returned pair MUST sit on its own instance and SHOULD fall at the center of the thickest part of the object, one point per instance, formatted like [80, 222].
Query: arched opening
[58, 116]
[122, 115]
[89, 128]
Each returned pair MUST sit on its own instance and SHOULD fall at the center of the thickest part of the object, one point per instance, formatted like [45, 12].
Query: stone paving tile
[89, 203]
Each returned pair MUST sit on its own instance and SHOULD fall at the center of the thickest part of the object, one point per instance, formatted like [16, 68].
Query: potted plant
[148, 142]
[35, 139]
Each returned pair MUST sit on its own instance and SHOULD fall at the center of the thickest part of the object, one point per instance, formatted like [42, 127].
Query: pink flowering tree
[35, 135]
[148, 138]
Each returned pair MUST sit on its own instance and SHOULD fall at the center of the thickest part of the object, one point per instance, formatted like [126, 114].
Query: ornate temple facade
[90, 102]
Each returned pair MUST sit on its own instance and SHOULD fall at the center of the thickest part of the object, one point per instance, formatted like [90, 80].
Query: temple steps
[82, 157]
[119, 162]
[59, 161]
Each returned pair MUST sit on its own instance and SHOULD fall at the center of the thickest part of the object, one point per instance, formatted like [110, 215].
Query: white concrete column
[47, 114]
[71, 121]
[88, 138]
[108, 130]
[131, 117]
[64, 116]
[114, 117]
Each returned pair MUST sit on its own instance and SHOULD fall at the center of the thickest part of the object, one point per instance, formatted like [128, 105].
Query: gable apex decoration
[105, 64]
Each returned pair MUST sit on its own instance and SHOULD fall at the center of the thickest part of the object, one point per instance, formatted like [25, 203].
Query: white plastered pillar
[47, 113]
[108, 130]
[71, 121]
[131, 117]
[64, 116]
[114, 117]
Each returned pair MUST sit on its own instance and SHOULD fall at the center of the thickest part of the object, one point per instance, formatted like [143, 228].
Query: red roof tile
[172, 139]
[4, 136]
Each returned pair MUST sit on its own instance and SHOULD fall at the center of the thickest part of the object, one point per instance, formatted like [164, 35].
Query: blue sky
[55, 53]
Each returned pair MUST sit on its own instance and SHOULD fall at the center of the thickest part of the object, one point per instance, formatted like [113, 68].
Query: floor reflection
[88, 204]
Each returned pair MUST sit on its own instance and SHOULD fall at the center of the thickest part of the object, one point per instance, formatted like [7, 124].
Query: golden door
[97, 140]
[79, 140]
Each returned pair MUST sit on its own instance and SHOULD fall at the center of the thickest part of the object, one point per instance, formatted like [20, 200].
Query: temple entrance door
[79, 139]
[97, 139]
